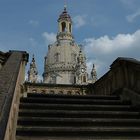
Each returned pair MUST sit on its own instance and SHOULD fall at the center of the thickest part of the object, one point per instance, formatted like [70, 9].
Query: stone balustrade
[123, 73]
[11, 77]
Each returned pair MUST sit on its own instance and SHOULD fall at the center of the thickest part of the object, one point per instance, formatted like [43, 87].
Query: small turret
[64, 26]
[81, 69]
[93, 74]
[32, 73]
[81, 58]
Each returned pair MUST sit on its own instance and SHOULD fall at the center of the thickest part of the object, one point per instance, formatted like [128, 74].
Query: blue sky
[106, 28]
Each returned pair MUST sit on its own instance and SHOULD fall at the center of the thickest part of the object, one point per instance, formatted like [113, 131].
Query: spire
[93, 74]
[32, 73]
[65, 5]
[81, 58]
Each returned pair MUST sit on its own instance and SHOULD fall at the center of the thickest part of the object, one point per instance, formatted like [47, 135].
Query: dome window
[57, 57]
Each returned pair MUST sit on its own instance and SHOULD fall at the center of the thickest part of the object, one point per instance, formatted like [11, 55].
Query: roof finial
[65, 5]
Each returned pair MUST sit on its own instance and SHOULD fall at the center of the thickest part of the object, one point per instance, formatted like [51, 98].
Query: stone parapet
[124, 73]
[11, 78]
[55, 89]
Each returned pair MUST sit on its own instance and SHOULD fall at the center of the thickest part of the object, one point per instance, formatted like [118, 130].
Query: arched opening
[73, 57]
[84, 78]
[74, 79]
[69, 27]
[53, 79]
[57, 57]
[63, 26]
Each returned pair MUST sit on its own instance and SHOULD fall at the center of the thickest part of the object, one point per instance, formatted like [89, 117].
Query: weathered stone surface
[76, 117]
[55, 88]
[8, 81]
[65, 62]
[124, 73]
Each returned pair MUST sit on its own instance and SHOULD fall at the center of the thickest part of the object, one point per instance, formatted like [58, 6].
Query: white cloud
[133, 16]
[34, 22]
[104, 50]
[79, 21]
[98, 65]
[49, 37]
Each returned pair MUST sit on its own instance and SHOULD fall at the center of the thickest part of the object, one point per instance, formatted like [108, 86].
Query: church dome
[60, 66]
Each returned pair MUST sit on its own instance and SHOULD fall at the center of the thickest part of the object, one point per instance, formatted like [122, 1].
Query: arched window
[63, 24]
[73, 57]
[53, 79]
[84, 78]
[57, 57]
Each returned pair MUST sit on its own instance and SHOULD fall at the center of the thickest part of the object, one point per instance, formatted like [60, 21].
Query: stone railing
[124, 73]
[11, 78]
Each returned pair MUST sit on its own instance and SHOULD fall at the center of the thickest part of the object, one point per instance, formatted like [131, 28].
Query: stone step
[79, 138]
[76, 122]
[73, 101]
[39, 106]
[108, 97]
[78, 131]
[45, 117]
[79, 114]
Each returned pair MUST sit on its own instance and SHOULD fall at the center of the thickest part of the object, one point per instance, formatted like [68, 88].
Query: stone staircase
[74, 117]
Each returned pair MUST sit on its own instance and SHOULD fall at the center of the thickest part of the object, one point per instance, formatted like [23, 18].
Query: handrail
[8, 80]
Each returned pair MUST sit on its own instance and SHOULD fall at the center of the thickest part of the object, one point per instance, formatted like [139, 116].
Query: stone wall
[54, 89]
[11, 78]
[123, 73]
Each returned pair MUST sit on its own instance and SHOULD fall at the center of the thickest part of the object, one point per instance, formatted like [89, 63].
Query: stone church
[65, 62]
[65, 106]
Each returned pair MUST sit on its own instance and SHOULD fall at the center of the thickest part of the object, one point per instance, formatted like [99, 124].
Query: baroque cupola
[65, 61]
[64, 26]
